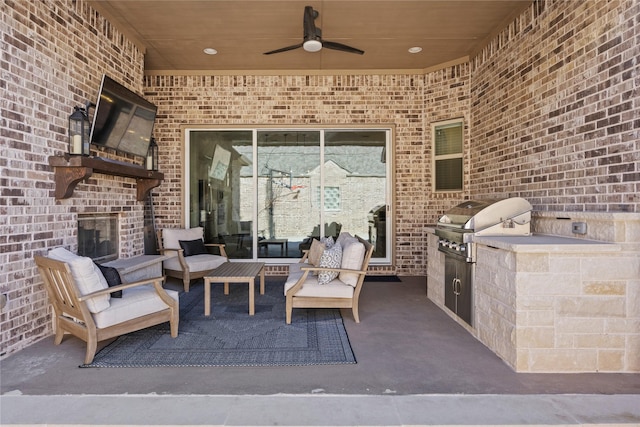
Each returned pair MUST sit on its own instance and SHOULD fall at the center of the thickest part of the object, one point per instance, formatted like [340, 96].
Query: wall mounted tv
[122, 120]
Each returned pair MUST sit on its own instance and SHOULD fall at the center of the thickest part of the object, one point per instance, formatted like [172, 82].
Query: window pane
[220, 182]
[449, 174]
[286, 162]
[448, 139]
[299, 185]
[355, 185]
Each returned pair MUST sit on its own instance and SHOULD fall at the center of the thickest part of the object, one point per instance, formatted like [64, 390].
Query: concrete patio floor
[415, 366]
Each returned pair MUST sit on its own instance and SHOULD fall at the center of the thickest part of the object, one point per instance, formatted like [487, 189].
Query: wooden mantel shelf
[70, 170]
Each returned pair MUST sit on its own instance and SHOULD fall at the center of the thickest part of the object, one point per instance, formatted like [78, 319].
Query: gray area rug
[230, 337]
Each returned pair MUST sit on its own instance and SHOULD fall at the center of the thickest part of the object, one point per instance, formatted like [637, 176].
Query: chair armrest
[220, 247]
[339, 270]
[168, 252]
[295, 288]
[154, 281]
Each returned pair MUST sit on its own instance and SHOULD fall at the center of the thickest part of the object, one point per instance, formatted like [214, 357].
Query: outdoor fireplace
[98, 236]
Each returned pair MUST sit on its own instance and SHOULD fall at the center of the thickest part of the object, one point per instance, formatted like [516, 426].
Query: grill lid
[476, 215]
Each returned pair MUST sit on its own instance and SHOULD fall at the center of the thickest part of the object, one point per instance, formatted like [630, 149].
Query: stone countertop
[545, 243]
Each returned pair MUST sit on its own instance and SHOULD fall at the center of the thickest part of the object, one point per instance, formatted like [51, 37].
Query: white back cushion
[87, 276]
[171, 236]
[352, 258]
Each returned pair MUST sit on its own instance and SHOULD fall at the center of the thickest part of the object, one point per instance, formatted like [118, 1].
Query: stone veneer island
[547, 303]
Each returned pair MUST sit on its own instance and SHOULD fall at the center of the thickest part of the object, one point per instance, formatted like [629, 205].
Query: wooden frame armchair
[188, 266]
[151, 305]
[302, 289]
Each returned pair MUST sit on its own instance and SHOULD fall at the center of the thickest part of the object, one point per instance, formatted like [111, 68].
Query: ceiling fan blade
[284, 49]
[341, 47]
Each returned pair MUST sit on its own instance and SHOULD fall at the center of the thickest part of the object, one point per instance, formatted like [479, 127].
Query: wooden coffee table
[234, 272]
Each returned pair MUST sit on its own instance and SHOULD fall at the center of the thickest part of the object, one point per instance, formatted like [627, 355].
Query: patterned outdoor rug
[230, 337]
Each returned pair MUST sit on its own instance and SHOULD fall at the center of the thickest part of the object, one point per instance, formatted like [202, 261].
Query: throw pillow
[315, 252]
[87, 277]
[331, 258]
[193, 247]
[352, 257]
[172, 236]
[344, 236]
[327, 241]
[112, 277]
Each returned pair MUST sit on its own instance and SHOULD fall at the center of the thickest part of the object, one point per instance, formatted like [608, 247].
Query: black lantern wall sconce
[152, 155]
[79, 128]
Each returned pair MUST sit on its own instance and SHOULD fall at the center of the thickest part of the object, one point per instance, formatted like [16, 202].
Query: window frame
[388, 158]
[435, 157]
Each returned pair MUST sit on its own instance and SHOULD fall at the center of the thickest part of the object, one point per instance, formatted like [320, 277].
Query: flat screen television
[122, 120]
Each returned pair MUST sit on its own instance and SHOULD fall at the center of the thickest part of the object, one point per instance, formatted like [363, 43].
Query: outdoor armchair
[83, 307]
[189, 256]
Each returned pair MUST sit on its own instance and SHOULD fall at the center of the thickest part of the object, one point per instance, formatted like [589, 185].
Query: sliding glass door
[266, 193]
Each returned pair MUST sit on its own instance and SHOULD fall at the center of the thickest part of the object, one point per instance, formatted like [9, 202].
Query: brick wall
[550, 111]
[300, 100]
[447, 96]
[53, 56]
[555, 108]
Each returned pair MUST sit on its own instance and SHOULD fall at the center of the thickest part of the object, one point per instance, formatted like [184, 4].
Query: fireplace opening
[98, 236]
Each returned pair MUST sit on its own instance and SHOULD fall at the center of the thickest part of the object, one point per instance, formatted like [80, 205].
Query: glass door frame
[255, 130]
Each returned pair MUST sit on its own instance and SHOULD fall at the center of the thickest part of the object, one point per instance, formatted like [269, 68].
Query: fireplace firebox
[98, 236]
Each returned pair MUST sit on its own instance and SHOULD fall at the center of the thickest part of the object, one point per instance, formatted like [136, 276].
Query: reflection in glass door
[219, 167]
[285, 214]
[267, 193]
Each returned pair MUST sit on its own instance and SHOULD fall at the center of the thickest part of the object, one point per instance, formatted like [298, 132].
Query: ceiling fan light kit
[312, 45]
[312, 37]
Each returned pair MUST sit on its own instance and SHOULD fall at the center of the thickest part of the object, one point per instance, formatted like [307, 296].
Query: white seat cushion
[295, 273]
[171, 236]
[87, 277]
[311, 288]
[135, 302]
[202, 262]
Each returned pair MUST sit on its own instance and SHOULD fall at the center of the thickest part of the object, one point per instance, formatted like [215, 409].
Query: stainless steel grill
[488, 217]
[455, 229]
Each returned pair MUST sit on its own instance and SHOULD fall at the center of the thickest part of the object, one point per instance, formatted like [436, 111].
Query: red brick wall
[53, 56]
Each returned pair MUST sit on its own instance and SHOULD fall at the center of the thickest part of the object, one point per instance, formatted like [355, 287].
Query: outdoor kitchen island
[550, 304]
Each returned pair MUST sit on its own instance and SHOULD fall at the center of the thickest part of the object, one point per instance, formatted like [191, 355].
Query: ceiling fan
[312, 37]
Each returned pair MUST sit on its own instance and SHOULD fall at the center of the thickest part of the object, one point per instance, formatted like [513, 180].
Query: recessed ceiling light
[415, 49]
[210, 51]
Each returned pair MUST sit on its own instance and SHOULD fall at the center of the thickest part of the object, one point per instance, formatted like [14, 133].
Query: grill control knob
[455, 246]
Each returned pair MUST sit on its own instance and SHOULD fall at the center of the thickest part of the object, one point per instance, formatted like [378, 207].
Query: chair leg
[356, 317]
[186, 282]
[59, 333]
[92, 346]
[173, 322]
[288, 310]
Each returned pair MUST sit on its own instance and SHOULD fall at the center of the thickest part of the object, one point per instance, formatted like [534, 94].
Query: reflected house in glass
[292, 189]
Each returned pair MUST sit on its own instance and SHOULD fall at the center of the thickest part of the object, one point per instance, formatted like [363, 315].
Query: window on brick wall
[288, 185]
[448, 165]
[331, 198]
